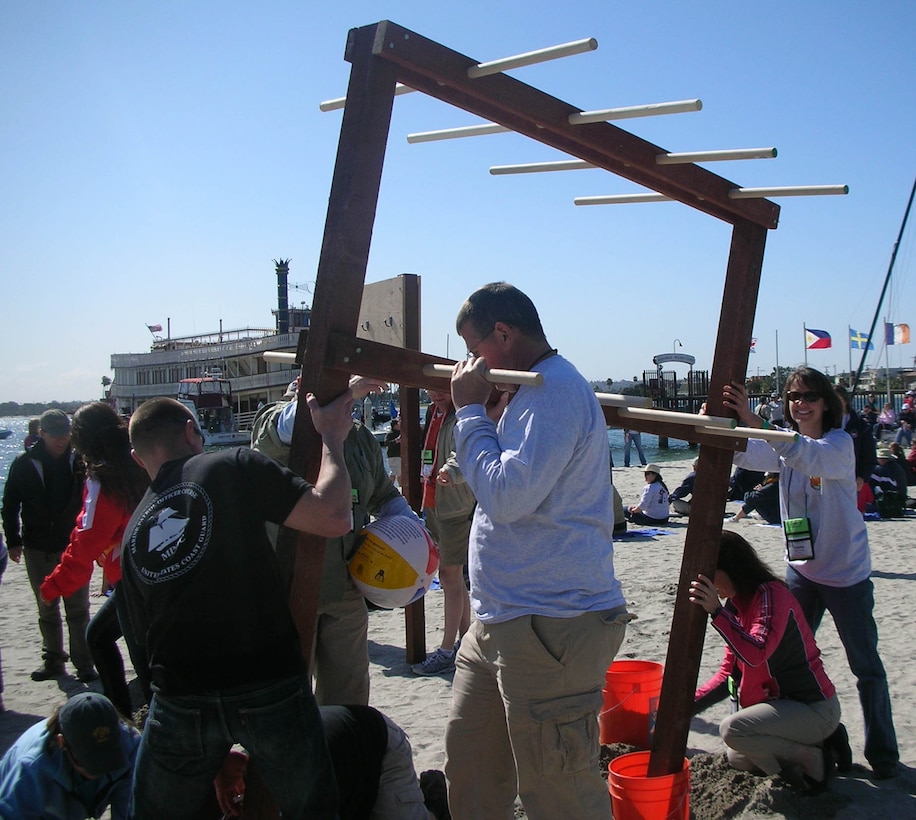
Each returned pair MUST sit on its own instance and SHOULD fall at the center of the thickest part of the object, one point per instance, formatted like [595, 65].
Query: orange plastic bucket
[634, 796]
[631, 693]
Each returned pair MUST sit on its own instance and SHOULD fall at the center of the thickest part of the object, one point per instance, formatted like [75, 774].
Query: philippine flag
[816, 339]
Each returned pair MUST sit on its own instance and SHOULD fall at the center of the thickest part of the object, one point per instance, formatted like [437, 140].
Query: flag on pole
[896, 334]
[154, 328]
[753, 345]
[816, 339]
[859, 341]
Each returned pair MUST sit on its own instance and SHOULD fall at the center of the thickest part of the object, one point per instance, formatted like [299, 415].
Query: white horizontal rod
[687, 157]
[620, 400]
[789, 190]
[629, 112]
[531, 57]
[734, 193]
[340, 102]
[496, 375]
[538, 167]
[620, 199]
[676, 418]
[750, 432]
[456, 133]
[279, 356]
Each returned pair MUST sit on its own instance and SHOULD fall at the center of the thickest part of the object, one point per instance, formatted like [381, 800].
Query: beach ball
[395, 561]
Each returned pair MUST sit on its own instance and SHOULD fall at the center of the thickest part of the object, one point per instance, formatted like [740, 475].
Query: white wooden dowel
[632, 111]
[734, 193]
[620, 199]
[339, 102]
[531, 57]
[495, 376]
[539, 167]
[651, 414]
[279, 356]
[457, 133]
[620, 400]
[751, 432]
[789, 190]
[686, 157]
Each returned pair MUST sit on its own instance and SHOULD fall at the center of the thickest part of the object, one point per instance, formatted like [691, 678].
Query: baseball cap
[54, 422]
[884, 452]
[91, 729]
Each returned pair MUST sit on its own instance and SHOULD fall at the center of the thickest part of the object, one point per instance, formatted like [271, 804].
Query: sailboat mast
[887, 280]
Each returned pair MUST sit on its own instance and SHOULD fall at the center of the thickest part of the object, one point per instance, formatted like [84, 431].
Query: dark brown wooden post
[688, 626]
[415, 614]
[338, 292]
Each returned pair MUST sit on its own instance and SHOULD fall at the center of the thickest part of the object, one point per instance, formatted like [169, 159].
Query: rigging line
[887, 279]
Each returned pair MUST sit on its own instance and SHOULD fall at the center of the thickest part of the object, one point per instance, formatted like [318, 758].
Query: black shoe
[837, 745]
[88, 676]
[48, 672]
[435, 793]
[884, 771]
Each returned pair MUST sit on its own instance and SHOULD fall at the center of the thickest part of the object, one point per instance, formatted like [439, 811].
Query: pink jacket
[770, 642]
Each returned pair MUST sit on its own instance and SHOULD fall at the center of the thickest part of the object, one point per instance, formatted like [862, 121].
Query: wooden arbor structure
[384, 54]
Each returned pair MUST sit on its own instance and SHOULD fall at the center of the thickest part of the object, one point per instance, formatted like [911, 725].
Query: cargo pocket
[568, 732]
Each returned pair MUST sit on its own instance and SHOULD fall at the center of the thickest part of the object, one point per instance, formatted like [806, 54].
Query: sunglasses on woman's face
[808, 396]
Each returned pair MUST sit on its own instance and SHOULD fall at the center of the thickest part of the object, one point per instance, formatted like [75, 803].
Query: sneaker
[435, 663]
[88, 676]
[48, 672]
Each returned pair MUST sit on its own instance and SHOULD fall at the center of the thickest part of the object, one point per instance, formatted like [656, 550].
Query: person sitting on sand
[76, 763]
[652, 508]
[788, 717]
[764, 498]
[679, 497]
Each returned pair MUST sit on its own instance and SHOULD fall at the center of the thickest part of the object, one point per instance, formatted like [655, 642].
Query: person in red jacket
[114, 486]
[788, 716]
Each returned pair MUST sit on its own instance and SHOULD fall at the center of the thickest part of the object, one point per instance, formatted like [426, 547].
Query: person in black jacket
[41, 499]
[862, 438]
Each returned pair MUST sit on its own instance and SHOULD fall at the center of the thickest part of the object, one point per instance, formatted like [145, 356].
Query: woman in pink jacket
[788, 716]
[114, 486]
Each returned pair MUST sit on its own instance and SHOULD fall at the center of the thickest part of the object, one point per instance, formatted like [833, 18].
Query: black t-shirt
[200, 578]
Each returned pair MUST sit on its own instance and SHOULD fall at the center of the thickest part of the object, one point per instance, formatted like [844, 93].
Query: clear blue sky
[156, 157]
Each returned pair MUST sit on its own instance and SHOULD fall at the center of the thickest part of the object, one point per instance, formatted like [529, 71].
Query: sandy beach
[648, 567]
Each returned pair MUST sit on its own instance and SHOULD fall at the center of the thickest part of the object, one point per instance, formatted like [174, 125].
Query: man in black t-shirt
[203, 590]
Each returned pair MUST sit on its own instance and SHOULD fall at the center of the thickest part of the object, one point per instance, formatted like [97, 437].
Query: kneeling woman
[787, 705]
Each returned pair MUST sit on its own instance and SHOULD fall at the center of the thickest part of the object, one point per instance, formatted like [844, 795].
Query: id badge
[799, 542]
[426, 465]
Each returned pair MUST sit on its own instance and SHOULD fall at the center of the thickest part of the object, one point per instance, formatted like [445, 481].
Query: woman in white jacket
[827, 553]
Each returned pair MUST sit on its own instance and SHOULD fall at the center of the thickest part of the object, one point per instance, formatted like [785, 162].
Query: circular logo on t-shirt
[172, 534]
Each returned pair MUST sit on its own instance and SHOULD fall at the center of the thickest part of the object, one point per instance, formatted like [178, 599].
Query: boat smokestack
[282, 268]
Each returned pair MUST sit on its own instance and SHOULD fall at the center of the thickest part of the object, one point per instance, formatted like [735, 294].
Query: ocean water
[12, 446]
[676, 450]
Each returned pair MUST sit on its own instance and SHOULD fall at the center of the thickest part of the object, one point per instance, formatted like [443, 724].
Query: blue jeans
[186, 739]
[633, 438]
[851, 608]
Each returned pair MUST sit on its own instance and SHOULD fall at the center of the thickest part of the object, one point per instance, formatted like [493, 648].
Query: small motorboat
[5, 433]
